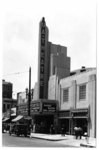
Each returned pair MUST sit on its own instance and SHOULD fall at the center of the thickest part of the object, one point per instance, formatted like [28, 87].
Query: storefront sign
[80, 113]
[64, 114]
[47, 107]
[35, 107]
[23, 109]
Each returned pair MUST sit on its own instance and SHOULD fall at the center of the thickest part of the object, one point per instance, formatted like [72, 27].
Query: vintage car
[19, 129]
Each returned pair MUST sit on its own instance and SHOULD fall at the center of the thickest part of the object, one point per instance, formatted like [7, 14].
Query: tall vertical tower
[43, 61]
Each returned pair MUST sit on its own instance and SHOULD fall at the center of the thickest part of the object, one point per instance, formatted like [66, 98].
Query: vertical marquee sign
[42, 59]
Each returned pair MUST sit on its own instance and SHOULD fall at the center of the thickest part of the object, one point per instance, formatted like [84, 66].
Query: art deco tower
[52, 60]
[43, 60]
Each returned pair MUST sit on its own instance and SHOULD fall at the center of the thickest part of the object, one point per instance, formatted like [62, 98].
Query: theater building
[61, 97]
[76, 96]
[43, 110]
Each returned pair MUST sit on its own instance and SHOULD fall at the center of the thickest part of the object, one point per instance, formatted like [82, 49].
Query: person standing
[34, 127]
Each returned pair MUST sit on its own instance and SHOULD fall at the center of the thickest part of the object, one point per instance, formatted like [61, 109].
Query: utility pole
[29, 94]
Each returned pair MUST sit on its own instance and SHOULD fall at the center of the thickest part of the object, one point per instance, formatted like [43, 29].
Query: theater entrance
[43, 123]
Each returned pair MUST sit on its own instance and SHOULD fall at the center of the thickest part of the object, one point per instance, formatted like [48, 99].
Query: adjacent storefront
[65, 121]
[80, 119]
[74, 118]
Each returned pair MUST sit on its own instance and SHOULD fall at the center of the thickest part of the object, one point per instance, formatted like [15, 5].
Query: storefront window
[65, 95]
[82, 92]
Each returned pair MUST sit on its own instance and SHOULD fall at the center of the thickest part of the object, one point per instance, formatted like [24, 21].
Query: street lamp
[28, 92]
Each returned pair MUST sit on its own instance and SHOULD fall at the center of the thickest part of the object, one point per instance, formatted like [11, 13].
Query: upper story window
[82, 92]
[65, 95]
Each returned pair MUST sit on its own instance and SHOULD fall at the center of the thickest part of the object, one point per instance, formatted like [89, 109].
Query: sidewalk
[67, 139]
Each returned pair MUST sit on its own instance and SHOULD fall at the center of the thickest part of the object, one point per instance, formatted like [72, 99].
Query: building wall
[22, 97]
[35, 95]
[92, 101]
[7, 100]
[72, 83]
[59, 62]
[6, 89]
[51, 89]
[8, 104]
[58, 49]
[81, 78]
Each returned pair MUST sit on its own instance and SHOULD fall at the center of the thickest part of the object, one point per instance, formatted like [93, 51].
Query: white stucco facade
[72, 83]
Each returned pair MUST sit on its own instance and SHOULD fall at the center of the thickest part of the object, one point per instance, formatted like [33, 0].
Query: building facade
[7, 89]
[76, 96]
[7, 100]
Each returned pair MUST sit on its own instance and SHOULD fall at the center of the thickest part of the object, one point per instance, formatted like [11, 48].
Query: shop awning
[5, 119]
[17, 118]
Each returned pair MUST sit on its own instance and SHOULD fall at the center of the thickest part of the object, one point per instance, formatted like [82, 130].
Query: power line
[16, 73]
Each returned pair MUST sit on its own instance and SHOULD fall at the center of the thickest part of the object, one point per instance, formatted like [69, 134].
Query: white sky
[71, 23]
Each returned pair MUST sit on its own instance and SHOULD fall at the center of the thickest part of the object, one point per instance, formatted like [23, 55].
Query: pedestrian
[34, 127]
[80, 132]
[52, 129]
[31, 130]
[76, 132]
[10, 129]
[63, 130]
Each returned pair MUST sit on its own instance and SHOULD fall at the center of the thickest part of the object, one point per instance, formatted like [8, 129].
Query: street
[14, 141]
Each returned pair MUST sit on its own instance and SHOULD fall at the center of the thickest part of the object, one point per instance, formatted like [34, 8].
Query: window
[82, 92]
[65, 95]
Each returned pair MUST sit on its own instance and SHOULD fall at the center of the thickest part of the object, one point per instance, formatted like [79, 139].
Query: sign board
[49, 107]
[23, 109]
[22, 98]
[35, 107]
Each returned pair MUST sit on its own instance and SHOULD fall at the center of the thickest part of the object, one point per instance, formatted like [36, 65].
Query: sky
[71, 23]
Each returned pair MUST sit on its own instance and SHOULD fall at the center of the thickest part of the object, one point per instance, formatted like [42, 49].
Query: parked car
[20, 129]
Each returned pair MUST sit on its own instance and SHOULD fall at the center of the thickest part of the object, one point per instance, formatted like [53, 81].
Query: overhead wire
[16, 73]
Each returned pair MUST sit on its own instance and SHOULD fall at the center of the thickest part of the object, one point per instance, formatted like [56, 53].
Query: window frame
[66, 96]
[82, 94]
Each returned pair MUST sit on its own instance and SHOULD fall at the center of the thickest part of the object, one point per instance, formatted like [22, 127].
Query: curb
[47, 139]
[90, 146]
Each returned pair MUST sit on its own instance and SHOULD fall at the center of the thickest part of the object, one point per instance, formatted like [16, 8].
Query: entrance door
[65, 123]
[44, 123]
